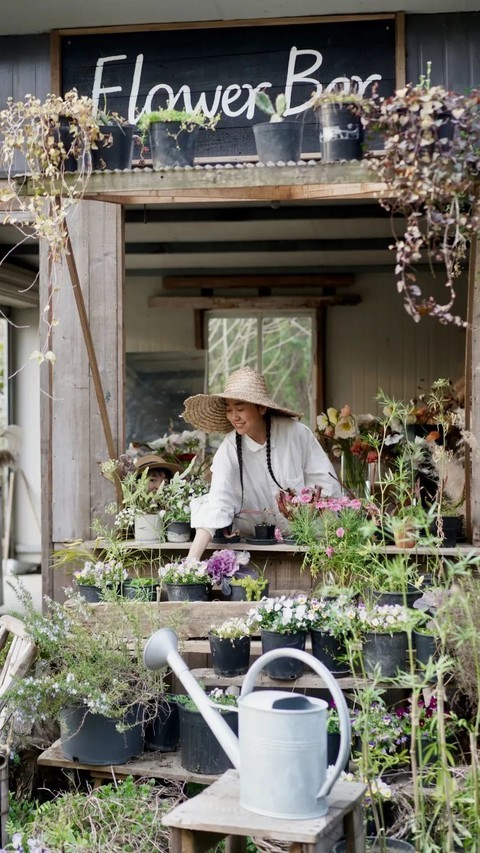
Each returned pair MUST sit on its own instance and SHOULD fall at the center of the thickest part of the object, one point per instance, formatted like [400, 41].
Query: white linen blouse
[297, 460]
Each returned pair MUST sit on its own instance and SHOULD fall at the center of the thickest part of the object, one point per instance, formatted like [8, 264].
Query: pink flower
[278, 534]
[340, 532]
[329, 551]
[345, 411]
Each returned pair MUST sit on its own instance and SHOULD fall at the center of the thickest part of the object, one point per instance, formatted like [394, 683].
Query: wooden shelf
[157, 765]
[309, 681]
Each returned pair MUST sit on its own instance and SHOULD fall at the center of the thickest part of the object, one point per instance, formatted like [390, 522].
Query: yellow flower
[332, 415]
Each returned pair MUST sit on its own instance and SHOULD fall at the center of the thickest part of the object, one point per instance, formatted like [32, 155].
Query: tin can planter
[283, 668]
[94, 739]
[171, 146]
[115, 150]
[229, 657]
[200, 751]
[178, 531]
[162, 733]
[388, 651]
[187, 591]
[279, 141]
[328, 650]
[148, 528]
[341, 132]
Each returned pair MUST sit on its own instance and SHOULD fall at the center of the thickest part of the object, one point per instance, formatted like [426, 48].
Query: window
[279, 345]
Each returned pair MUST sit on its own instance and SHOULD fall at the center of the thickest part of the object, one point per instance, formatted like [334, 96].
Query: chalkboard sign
[220, 69]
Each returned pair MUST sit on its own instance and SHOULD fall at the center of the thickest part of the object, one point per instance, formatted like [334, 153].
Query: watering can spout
[161, 651]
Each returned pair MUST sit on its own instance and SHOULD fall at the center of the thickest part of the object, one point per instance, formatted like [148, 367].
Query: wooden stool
[200, 823]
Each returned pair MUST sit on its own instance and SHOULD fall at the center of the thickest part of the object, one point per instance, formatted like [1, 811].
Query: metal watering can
[281, 751]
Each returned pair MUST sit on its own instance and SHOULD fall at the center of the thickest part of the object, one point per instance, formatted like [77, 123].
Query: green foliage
[187, 121]
[126, 816]
[253, 587]
[276, 110]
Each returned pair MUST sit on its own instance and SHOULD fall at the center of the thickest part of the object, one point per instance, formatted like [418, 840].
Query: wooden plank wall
[74, 490]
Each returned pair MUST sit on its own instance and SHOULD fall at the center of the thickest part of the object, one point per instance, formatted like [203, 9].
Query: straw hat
[207, 411]
[153, 460]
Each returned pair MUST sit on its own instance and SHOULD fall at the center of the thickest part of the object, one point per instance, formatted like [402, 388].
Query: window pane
[232, 343]
[287, 361]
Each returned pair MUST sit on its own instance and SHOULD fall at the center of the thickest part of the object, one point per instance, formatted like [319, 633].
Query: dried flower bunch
[431, 144]
[188, 570]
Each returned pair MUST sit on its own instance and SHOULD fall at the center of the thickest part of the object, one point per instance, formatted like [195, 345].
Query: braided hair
[238, 441]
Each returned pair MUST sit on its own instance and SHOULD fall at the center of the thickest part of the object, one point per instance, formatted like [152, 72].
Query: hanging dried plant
[430, 164]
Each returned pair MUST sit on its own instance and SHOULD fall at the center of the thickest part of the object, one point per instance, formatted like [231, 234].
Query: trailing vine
[430, 164]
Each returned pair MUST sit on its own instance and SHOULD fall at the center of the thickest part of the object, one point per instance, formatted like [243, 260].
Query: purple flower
[222, 564]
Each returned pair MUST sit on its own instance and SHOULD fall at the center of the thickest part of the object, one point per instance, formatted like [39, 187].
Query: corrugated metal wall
[451, 42]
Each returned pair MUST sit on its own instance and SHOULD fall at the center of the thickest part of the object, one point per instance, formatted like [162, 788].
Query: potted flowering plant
[181, 447]
[172, 135]
[332, 625]
[96, 577]
[283, 623]
[141, 505]
[339, 114]
[200, 751]
[230, 647]
[93, 681]
[384, 629]
[186, 579]
[177, 496]
[223, 565]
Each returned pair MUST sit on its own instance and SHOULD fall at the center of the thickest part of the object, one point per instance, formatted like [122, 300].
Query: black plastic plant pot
[171, 146]
[90, 593]
[406, 598]
[389, 651]
[264, 531]
[94, 739]
[333, 748]
[328, 650]
[134, 591]
[187, 591]
[115, 150]
[66, 138]
[448, 530]
[200, 751]
[283, 668]
[162, 733]
[341, 133]
[178, 531]
[278, 141]
[425, 646]
[239, 593]
[229, 657]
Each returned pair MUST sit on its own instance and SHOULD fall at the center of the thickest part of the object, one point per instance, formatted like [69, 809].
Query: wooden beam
[220, 282]
[277, 302]
[235, 22]
[400, 51]
[472, 396]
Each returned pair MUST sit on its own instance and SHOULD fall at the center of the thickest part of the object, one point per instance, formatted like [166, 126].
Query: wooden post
[72, 428]
[472, 396]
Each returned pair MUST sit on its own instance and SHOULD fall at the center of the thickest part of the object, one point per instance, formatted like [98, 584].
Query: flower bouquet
[223, 565]
[346, 437]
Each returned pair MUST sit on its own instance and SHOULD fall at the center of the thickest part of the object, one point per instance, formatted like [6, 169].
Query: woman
[264, 451]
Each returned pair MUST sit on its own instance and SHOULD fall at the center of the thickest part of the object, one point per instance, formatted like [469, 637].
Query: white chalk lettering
[98, 89]
[301, 77]
[132, 101]
[223, 99]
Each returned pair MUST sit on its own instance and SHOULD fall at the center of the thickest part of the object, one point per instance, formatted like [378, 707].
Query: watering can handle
[332, 684]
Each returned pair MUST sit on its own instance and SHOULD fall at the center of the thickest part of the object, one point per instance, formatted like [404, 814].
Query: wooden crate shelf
[149, 765]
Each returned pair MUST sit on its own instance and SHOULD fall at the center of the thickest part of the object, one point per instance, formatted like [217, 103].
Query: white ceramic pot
[148, 528]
